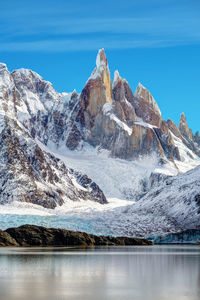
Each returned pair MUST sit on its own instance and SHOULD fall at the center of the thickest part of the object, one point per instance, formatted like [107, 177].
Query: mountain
[53, 143]
[28, 173]
[109, 117]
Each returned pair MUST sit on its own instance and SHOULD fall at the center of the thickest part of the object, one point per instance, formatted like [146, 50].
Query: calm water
[156, 273]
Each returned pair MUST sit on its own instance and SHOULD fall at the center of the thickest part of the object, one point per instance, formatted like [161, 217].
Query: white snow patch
[107, 110]
[117, 178]
[189, 160]
[121, 124]
[140, 122]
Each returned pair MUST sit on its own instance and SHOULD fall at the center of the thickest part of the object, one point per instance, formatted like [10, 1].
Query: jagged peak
[101, 59]
[74, 92]
[3, 66]
[184, 128]
[183, 118]
[144, 93]
[101, 64]
[142, 86]
[26, 73]
[139, 89]
[183, 121]
[117, 78]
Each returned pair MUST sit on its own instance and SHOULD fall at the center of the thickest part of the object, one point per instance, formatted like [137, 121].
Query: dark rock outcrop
[31, 235]
[7, 240]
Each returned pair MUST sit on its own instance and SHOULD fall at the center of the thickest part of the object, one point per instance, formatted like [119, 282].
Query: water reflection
[124, 273]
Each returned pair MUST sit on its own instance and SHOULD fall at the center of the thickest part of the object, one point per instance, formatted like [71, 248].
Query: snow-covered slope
[29, 174]
[172, 204]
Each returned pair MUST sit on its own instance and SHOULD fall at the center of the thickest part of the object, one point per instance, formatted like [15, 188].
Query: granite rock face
[184, 129]
[114, 119]
[174, 129]
[146, 106]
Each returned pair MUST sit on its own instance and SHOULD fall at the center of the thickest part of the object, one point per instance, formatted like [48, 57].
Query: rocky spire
[102, 72]
[118, 87]
[121, 89]
[123, 97]
[117, 78]
[184, 129]
[174, 129]
[142, 92]
[97, 90]
[183, 118]
[101, 60]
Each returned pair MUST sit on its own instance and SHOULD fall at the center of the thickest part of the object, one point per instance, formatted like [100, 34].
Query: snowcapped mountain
[117, 137]
[29, 174]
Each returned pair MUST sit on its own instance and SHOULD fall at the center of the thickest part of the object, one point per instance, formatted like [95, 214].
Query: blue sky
[153, 42]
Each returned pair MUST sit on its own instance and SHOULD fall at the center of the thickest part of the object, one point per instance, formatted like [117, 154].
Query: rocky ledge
[31, 235]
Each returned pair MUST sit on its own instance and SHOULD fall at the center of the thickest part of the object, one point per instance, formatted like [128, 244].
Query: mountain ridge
[49, 134]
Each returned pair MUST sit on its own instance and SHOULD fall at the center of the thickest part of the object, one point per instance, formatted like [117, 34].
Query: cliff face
[146, 106]
[113, 118]
[184, 129]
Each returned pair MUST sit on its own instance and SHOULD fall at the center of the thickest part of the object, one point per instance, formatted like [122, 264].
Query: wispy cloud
[85, 45]
[53, 29]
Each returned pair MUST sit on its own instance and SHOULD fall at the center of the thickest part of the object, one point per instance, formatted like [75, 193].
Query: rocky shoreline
[32, 235]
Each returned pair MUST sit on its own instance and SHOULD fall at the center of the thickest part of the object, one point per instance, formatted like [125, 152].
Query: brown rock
[7, 240]
[32, 235]
[174, 129]
[146, 106]
[123, 97]
[184, 129]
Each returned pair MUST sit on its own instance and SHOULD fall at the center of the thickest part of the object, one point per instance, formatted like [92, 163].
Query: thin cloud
[84, 45]
[46, 29]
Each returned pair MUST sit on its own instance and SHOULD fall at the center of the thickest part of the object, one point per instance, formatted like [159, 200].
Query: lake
[106, 273]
